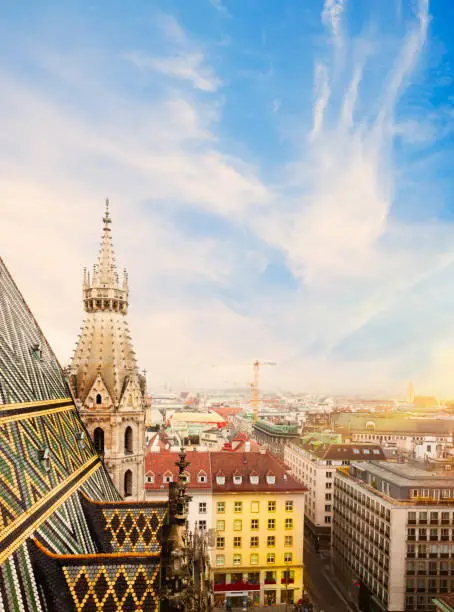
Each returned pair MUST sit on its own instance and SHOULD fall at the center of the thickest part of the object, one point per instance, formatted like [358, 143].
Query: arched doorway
[98, 440]
[128, 483]
[128, 440]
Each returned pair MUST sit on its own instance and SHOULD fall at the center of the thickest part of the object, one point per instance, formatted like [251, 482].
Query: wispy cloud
[322, 93]
[331, 15]
[190, 67]
[219, 6]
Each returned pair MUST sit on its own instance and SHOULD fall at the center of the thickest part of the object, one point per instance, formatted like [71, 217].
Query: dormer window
[186, 477]
[220, 479]
[149, 477]
[202, 477]
[254, 478]
[168, 477]
[237, 479]
[270, 479]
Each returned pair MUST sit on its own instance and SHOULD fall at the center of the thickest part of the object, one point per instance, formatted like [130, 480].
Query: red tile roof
[163, 462]
[255, 463]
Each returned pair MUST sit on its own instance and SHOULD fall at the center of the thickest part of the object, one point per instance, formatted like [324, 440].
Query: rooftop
[286, 429]
[345, 451]
[163, 463]
[261, 464]
[407, 474]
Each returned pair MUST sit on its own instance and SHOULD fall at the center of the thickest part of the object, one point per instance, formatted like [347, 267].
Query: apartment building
[160, 469]
[393, 535]
[258, 510]
[313, 462]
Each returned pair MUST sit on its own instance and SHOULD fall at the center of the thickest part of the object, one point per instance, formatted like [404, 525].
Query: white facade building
[393, 544]
[314, 465]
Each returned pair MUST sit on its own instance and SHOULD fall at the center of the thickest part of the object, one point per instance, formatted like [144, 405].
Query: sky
[280, 179]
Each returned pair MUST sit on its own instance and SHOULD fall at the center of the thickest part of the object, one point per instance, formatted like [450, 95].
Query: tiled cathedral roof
[56, 497]
[29, 371]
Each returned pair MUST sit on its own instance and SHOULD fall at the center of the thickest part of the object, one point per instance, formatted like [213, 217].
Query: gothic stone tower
[103, 374]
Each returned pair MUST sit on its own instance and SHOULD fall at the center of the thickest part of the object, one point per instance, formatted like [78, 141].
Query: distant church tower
[103, 373]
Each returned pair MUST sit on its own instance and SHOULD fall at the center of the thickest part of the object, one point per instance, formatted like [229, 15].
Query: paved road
[317, 580]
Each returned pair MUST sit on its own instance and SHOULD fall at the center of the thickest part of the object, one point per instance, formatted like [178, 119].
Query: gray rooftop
[406, 474]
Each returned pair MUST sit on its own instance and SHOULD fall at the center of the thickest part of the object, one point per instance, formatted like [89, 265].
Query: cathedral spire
[105, 292]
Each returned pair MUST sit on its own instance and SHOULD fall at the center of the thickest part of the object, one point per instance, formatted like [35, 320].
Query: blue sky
[280, 176]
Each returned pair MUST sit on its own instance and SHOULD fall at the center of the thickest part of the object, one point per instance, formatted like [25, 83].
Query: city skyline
[278, 181]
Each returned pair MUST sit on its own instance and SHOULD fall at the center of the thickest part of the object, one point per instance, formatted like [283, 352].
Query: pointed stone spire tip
[106, 218]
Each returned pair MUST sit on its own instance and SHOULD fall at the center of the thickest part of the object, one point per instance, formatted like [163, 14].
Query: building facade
[314, 464]
[393, 544]
[274, 436]
[104, 377]
[258, 512]
[161, 469]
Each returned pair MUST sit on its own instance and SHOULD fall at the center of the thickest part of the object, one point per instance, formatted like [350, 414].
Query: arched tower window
[128, 483]
[99, 399]
[128, 440]
[98, 439]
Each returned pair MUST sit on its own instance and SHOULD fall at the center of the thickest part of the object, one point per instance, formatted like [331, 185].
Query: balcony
[289, 581]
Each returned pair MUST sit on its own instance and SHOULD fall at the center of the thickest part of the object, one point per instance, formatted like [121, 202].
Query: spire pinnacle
[106, 219]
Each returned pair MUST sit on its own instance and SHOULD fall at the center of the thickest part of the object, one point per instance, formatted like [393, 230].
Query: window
[220, 479]
[220, 542]
[329, 474]
[236, 560]
[254, 524]
[328, 496]
[254, 541]
[288, 557]
[288, 540]
[237, 542]
[271, 541]
[271, 506]
[270, 558]
[99, 399]
[220, 525]
[202, 524]
[202, 507]
[237, 479]
[98, 440]
[201, 477]
[329, 485]
[128, 440]
[220, 559]
[237, 525]
[128, 483]
[254, 559]
[271, 523]
[220, 507]
[327, 519]
[168, 477]
[238, 506]
[149, 477]
[289, 505]
[255, 506]
[327, 507]
[270, 479]
[289, 523]
[254, 479]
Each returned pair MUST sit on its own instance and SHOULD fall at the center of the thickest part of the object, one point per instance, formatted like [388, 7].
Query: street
[318, 582]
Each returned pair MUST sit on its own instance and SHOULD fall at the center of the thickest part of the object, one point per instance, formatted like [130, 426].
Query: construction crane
[255, 386]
